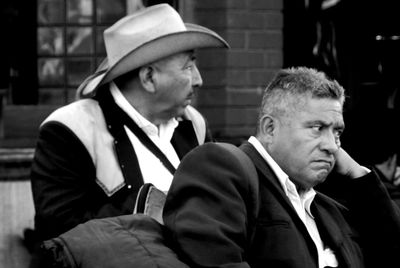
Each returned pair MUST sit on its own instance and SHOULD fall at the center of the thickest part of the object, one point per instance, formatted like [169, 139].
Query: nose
[197, 81]
[330, 142]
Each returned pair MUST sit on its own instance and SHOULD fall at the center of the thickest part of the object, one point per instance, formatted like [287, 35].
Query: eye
[317, 127]
[338, 133]
[189, 67]
[191, 63]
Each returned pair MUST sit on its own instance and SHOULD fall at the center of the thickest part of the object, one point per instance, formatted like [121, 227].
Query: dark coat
[65, 185]
[226, 208]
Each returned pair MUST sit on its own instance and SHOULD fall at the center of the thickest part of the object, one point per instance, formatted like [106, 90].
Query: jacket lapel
[125, 152]
[268, 178]
[184, 138]
[333, 227]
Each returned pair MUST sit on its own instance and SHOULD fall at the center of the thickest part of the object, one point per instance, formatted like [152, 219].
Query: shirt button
[115, 142]
[122, 166]
[129, 186]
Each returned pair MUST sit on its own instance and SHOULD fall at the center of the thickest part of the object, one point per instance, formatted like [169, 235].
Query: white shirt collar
[287, 185]
[301, 204]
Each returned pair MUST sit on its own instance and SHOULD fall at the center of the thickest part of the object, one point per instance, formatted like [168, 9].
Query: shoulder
[84, 119]
[228, 154]
[76, 113]
[217, 165]
[221, 154]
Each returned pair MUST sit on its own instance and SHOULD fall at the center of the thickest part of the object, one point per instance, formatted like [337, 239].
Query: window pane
[79, 40]
[80, 11]
[50, 41]
[51, 11]
[78, 70]
[101, 49]
[110, 11]
[52, 96]
[51, 71]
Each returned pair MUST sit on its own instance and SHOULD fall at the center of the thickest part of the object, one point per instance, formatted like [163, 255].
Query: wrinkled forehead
[306, 97]
[326, 109]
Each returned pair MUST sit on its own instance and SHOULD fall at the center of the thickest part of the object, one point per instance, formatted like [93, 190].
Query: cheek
[182, 88]
[172, 88]
[297, 153]
[184, 83]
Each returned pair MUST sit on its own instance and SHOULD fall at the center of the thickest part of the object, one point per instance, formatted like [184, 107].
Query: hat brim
[194, 37]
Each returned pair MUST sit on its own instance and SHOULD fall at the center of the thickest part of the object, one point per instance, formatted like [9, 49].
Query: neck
[301, 191]
[143, 105]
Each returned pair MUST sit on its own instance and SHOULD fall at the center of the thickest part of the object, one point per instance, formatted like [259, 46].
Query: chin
[321, 178]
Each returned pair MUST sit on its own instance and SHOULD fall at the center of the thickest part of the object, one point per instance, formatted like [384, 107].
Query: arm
[64, 184]
[209, 206]
[373, 213]
[347, 166]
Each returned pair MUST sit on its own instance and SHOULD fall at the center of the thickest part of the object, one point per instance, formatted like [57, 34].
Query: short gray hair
[289, 87]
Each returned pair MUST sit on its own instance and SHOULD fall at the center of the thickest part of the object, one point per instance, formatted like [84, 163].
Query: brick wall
[234, 79]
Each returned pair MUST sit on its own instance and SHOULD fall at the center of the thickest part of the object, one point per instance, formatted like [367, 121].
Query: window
[70, 43]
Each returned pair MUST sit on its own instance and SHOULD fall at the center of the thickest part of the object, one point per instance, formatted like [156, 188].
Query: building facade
[63, 43]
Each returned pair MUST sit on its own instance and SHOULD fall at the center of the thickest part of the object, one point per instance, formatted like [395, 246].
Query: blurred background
[49, 46]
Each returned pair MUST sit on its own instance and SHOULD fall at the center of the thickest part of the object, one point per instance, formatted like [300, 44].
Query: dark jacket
[85, 166]
[393, 190]
[226, 208]
[125, 242]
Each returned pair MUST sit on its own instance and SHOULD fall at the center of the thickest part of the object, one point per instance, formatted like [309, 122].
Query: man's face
[305, 141]
[176, 78]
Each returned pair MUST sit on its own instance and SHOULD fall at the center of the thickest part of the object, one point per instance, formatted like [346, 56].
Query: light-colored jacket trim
[198, 122]
[85, 119]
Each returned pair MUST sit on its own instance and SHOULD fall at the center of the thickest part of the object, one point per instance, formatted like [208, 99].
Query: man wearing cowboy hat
[131, 126]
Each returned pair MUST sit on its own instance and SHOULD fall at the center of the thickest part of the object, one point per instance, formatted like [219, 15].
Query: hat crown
[144, 37]
[140, 28]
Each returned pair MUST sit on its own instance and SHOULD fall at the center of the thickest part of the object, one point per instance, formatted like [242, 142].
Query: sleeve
[376, 217]
[211, 205]
[64, 185]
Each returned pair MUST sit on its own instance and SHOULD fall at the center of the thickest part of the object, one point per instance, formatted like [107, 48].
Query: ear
[146, 76]
[268, 126]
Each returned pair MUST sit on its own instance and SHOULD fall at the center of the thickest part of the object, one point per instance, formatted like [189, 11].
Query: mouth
[189, 99]
[324, 164]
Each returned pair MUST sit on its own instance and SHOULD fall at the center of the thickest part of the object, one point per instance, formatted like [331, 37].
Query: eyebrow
[324, 123]
[191, 56]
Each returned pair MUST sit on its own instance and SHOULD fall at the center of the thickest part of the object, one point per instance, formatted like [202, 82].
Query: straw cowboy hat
[144, 37]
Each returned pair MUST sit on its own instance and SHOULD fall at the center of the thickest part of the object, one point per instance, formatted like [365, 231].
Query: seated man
[132, 126]
[255, 206]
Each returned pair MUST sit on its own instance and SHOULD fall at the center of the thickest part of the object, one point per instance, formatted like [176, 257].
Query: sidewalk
[16, 206]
